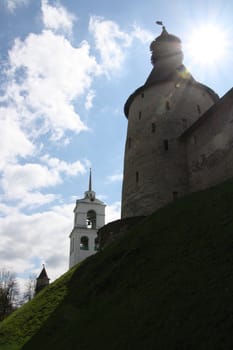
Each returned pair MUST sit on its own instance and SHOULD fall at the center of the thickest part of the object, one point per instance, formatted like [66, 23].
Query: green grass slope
[167, 284]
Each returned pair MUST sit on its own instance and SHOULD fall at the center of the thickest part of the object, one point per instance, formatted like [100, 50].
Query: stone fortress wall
[155, 168]
[209, 146]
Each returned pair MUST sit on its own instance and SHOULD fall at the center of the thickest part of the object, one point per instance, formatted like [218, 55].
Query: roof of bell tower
[89, 195]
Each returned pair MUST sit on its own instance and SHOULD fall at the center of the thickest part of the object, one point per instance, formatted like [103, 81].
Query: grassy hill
[167, 284]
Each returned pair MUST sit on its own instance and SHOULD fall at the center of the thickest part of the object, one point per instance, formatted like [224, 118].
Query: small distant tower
[42, 280]
[89, 216]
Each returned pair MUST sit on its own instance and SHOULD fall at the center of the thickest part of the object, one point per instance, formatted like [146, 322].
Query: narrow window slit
[165, 145]
[168, 106]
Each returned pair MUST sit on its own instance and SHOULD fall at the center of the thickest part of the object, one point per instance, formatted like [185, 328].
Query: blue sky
[66, 70]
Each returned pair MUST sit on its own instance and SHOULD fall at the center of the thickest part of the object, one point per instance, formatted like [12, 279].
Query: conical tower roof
[42, 280]
[43, 273]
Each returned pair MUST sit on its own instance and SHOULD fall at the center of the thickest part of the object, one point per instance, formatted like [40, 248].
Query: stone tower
[42, 280]
[158, 112]
[89, 216]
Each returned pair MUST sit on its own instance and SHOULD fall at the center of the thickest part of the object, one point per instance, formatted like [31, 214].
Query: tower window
[142, 94]
[165, 145]
[96, 243]
[199, 109]
[139, 115]
[168, 106]
[194, 139]
[175, 195]
[153, 127]
[137, 177]
[184, 122]
[84, 243]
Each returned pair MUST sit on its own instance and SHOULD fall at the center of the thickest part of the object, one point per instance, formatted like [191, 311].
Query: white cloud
[13, 141]
[41, 236]
[43, 86]
[109, 41]
[5, 210]
[112, 42]
[57, 17]
[71, 169]
[13, 4]
[17, 179]
[89, 99]
[113, 212]
[142, 34]
[115, 178]
[24, 182]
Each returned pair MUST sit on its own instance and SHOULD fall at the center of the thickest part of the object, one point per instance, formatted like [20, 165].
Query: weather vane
[160, 23]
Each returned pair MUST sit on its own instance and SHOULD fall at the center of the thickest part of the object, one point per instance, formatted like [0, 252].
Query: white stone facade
[89, 216]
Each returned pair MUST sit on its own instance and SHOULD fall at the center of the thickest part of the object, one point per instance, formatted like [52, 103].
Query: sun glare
[207, 44]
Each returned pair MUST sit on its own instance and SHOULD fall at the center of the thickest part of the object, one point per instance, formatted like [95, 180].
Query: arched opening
[91, 219]
[84, 243]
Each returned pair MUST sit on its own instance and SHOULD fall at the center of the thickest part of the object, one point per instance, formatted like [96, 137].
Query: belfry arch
[91, 219]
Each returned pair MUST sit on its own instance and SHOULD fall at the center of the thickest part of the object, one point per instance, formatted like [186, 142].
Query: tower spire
[90, 193]
[90, 182]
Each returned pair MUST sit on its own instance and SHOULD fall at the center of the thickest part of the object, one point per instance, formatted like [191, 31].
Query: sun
[207, 44]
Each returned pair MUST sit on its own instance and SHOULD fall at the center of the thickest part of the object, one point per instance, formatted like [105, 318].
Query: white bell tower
[89, 216]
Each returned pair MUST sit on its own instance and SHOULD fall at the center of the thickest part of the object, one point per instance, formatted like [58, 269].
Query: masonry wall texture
[179, 136]
[155, 165]
[209, 146]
